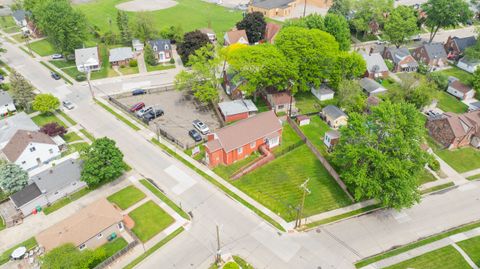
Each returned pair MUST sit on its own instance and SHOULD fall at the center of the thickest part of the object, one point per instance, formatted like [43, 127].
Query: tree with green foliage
[254, 25]
[12, 178]
[369, 13]
[103, 162]
[202, 78]
[149, 55]
[144, 28]
[473, 52]
[379, 154]
[69, 256]
[413, 90]
[123, 25]
[337, 26]
[260, 67]
[173, 33]
[346, 65]
[22, 90]
[312, 53]
[401, 25]
[440, 79]
[350, 96]
[476, 80]
[45, 102]
[341, 7]
[191, 42]
[445, 13]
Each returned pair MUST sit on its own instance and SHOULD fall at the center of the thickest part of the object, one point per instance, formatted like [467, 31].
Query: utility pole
[218, 257]
[304, 8]
[88, 80]
[303, 186]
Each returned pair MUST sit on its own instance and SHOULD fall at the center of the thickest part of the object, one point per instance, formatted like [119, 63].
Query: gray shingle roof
[58, 176]
[375, 62]
[160, 44]
[5, 98]
[269, 4]
[369, 84]
[19, 15]
[435, 51]
[333, 112]
[398, 54]
[11, 125]
[465, 42]
[25, 195]
[87, 56]
[120, 54]
[237, 107]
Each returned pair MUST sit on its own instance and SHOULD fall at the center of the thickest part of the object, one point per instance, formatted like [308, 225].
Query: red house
[236, 142]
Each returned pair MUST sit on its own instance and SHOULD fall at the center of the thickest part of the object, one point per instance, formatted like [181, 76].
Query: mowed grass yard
[276, 185]
[462, 160]
[42, 47]
[289, 138]
[444, 258]
[126, 197]
[472, 248]
[315, 132]
[150, 219]
[189, 14]
[463, 76]
[448, 103]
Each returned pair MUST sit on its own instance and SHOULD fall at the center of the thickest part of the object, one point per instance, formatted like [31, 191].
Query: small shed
[137, 45]
[323, 93]
[303, 120]
[331, 138]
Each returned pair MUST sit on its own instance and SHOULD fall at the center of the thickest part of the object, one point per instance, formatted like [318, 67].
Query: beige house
[90, 227]
[283, 8]
[334, 116]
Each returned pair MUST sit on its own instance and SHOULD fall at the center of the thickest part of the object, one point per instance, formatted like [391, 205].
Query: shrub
[440, 79]
[172, 61]
[422, 68]
[133, 63]
[389, 64]
[434, 164]
[80, 77]
[53, 129]
[122, 66]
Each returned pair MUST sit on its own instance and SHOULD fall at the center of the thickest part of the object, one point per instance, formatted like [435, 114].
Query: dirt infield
[146, 5]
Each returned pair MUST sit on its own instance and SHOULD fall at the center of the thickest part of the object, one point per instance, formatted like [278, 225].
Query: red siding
[236, 117]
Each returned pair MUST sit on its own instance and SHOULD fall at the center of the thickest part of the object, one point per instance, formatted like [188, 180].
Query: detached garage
[237, 110]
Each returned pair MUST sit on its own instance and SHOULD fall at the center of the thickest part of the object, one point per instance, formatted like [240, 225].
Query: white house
[87, 59]
[331, 138]
[30, 149]
[137, 45]
[323, 93]
[10, 125]
[460, 90]
[468, 65]
[6, 103]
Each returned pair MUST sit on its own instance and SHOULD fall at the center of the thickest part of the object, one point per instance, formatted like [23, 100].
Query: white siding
[43, 153]
[28, 208]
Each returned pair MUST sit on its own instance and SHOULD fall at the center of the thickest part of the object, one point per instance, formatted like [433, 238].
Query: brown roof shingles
[235, 35]
[21, 139]
[460, 86]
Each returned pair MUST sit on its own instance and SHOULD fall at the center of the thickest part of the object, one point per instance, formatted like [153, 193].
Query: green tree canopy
[351, 97]
[103, 162]
[12, 178]
[341, 7]
[379, 154]
[45, 102]
[337, 26]
[123, 25]
[149, 55]
[401, 25]
[191, 42]
[254, 25]
[22, 90]
[346, 65]
[144, 27]
[367, 11]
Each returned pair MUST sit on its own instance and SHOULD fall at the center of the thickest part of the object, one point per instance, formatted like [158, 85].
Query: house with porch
[87, 59]
[162, 50]
[401, 58]
[455, 46]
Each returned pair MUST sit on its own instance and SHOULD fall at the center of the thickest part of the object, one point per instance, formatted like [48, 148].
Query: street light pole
[88, 80]
[303, 186]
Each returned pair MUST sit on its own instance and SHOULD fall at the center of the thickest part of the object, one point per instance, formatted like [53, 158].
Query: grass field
[276, 185]
[462, 160]
[159, 67]
[306, 102]
[426, 177]
[71, 137]
[106, 70]
[164, 198]
[448, 103]
[472, 248]
[189, 14]
[8, 25]
[77, 147]
[149, 220]
[43, 47]
[45, 118]
[463, 76]
[443, 258]
[315, 132]
[227, 171]
[114, 246]
[126, 197]
[127, 70]
[289, 138]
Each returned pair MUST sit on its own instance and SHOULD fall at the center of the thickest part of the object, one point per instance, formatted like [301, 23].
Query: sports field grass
[444, 258]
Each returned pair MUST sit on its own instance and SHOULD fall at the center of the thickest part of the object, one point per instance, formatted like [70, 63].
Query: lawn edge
[117, 115]
[53, 70]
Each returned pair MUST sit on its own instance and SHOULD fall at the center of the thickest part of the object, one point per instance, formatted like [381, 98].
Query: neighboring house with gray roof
[237, 109]
[371, 86]
[334, 116]
[20, 17]
[376, 67]
[87, 59]
[455, 46]
[432, 54]
[401, 58]
[120, 56]
[10, 125]
[469, 65]
[28, 199]
[6, 103]
[162, 49]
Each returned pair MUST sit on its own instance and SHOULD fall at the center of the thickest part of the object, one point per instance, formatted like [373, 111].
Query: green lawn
[77, 147]
[444, 258]
[149, 220]
[463, 76]
[29, 244]
[43, 47]
[426, 177]
[127, 70]
[20, 38]
[164, 198]
[66, 117]
[437, 188]
[8, 24]
[472, 248]
[68, 67]
[106, 69]
[71, 137]
[45, 118]
[276, 185]
[315, 132]
[159, 67]
[189, 14]
[65, 201]
[87, 134]
[114, 246]
[448, 103]
[306, 102]
[289, 138]
[462, 160]
[261, 104]
[199, 156]
[227, 171]
[126, 197]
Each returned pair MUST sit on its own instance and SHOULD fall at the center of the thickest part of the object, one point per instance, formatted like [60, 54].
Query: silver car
[68, 105]
[200, 126]
[144, 111]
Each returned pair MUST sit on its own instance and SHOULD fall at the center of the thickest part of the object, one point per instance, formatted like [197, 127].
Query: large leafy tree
[414, 90]
[401, 25]
[346, 65]
[12, 178]
[124, 26]
[191, 42]
[445, 13]
[337, 26]
[312, 21]
[45, 102]
[261, 66]
[202, 78]
[173, 33]
[379, 154]
[367, 12]
[22, 90]
[312, 53]
[103, 162]
[144, 27]
[476, 80]
[341, 7]
[254, 25]
[350, 96]
[149, 55]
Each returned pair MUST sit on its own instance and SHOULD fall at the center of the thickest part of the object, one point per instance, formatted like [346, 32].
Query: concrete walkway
[142, 67]
[451, 173]
[471, 173]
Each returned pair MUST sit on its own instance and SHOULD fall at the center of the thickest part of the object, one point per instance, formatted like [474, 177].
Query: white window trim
[240, 150]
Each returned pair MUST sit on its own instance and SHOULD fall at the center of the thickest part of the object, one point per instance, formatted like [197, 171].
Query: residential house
[137, 45]
[162, 49]
[323, 93]
[372, 87]
[238, 141]
[334, 116]
[302, 120]
[456, 130]
[432, 54]
[49, 183]
[88, 228]
[280, 102]
[331, 138]
[455, 46]
[20, 17]
[120, 56]
[376, 67]
[87, 59]
[283, 8]
[401, 58]
[235, 36]
[460, 90]
[210, 33]
[10, 125]
[6, 103]
[469, 65]
[271, 31]
[30, 149]
[237, 109]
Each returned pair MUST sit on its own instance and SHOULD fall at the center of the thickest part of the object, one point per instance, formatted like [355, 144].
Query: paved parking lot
[179, 113]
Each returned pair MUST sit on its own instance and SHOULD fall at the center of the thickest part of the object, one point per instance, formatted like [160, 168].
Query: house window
[32, 149]
[100, 235]
[253, 144]
[280, 106]
[120, 226]
[240, 150]
[81, 247]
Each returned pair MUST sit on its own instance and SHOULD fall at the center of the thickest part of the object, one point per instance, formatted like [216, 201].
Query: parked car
[152, 115]
[416, 38]
[55, 76]
[57, 56]
[195, 135]
[67, 104]
[138, 92]
[143, 111]
[137, 106]
[202, 127]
